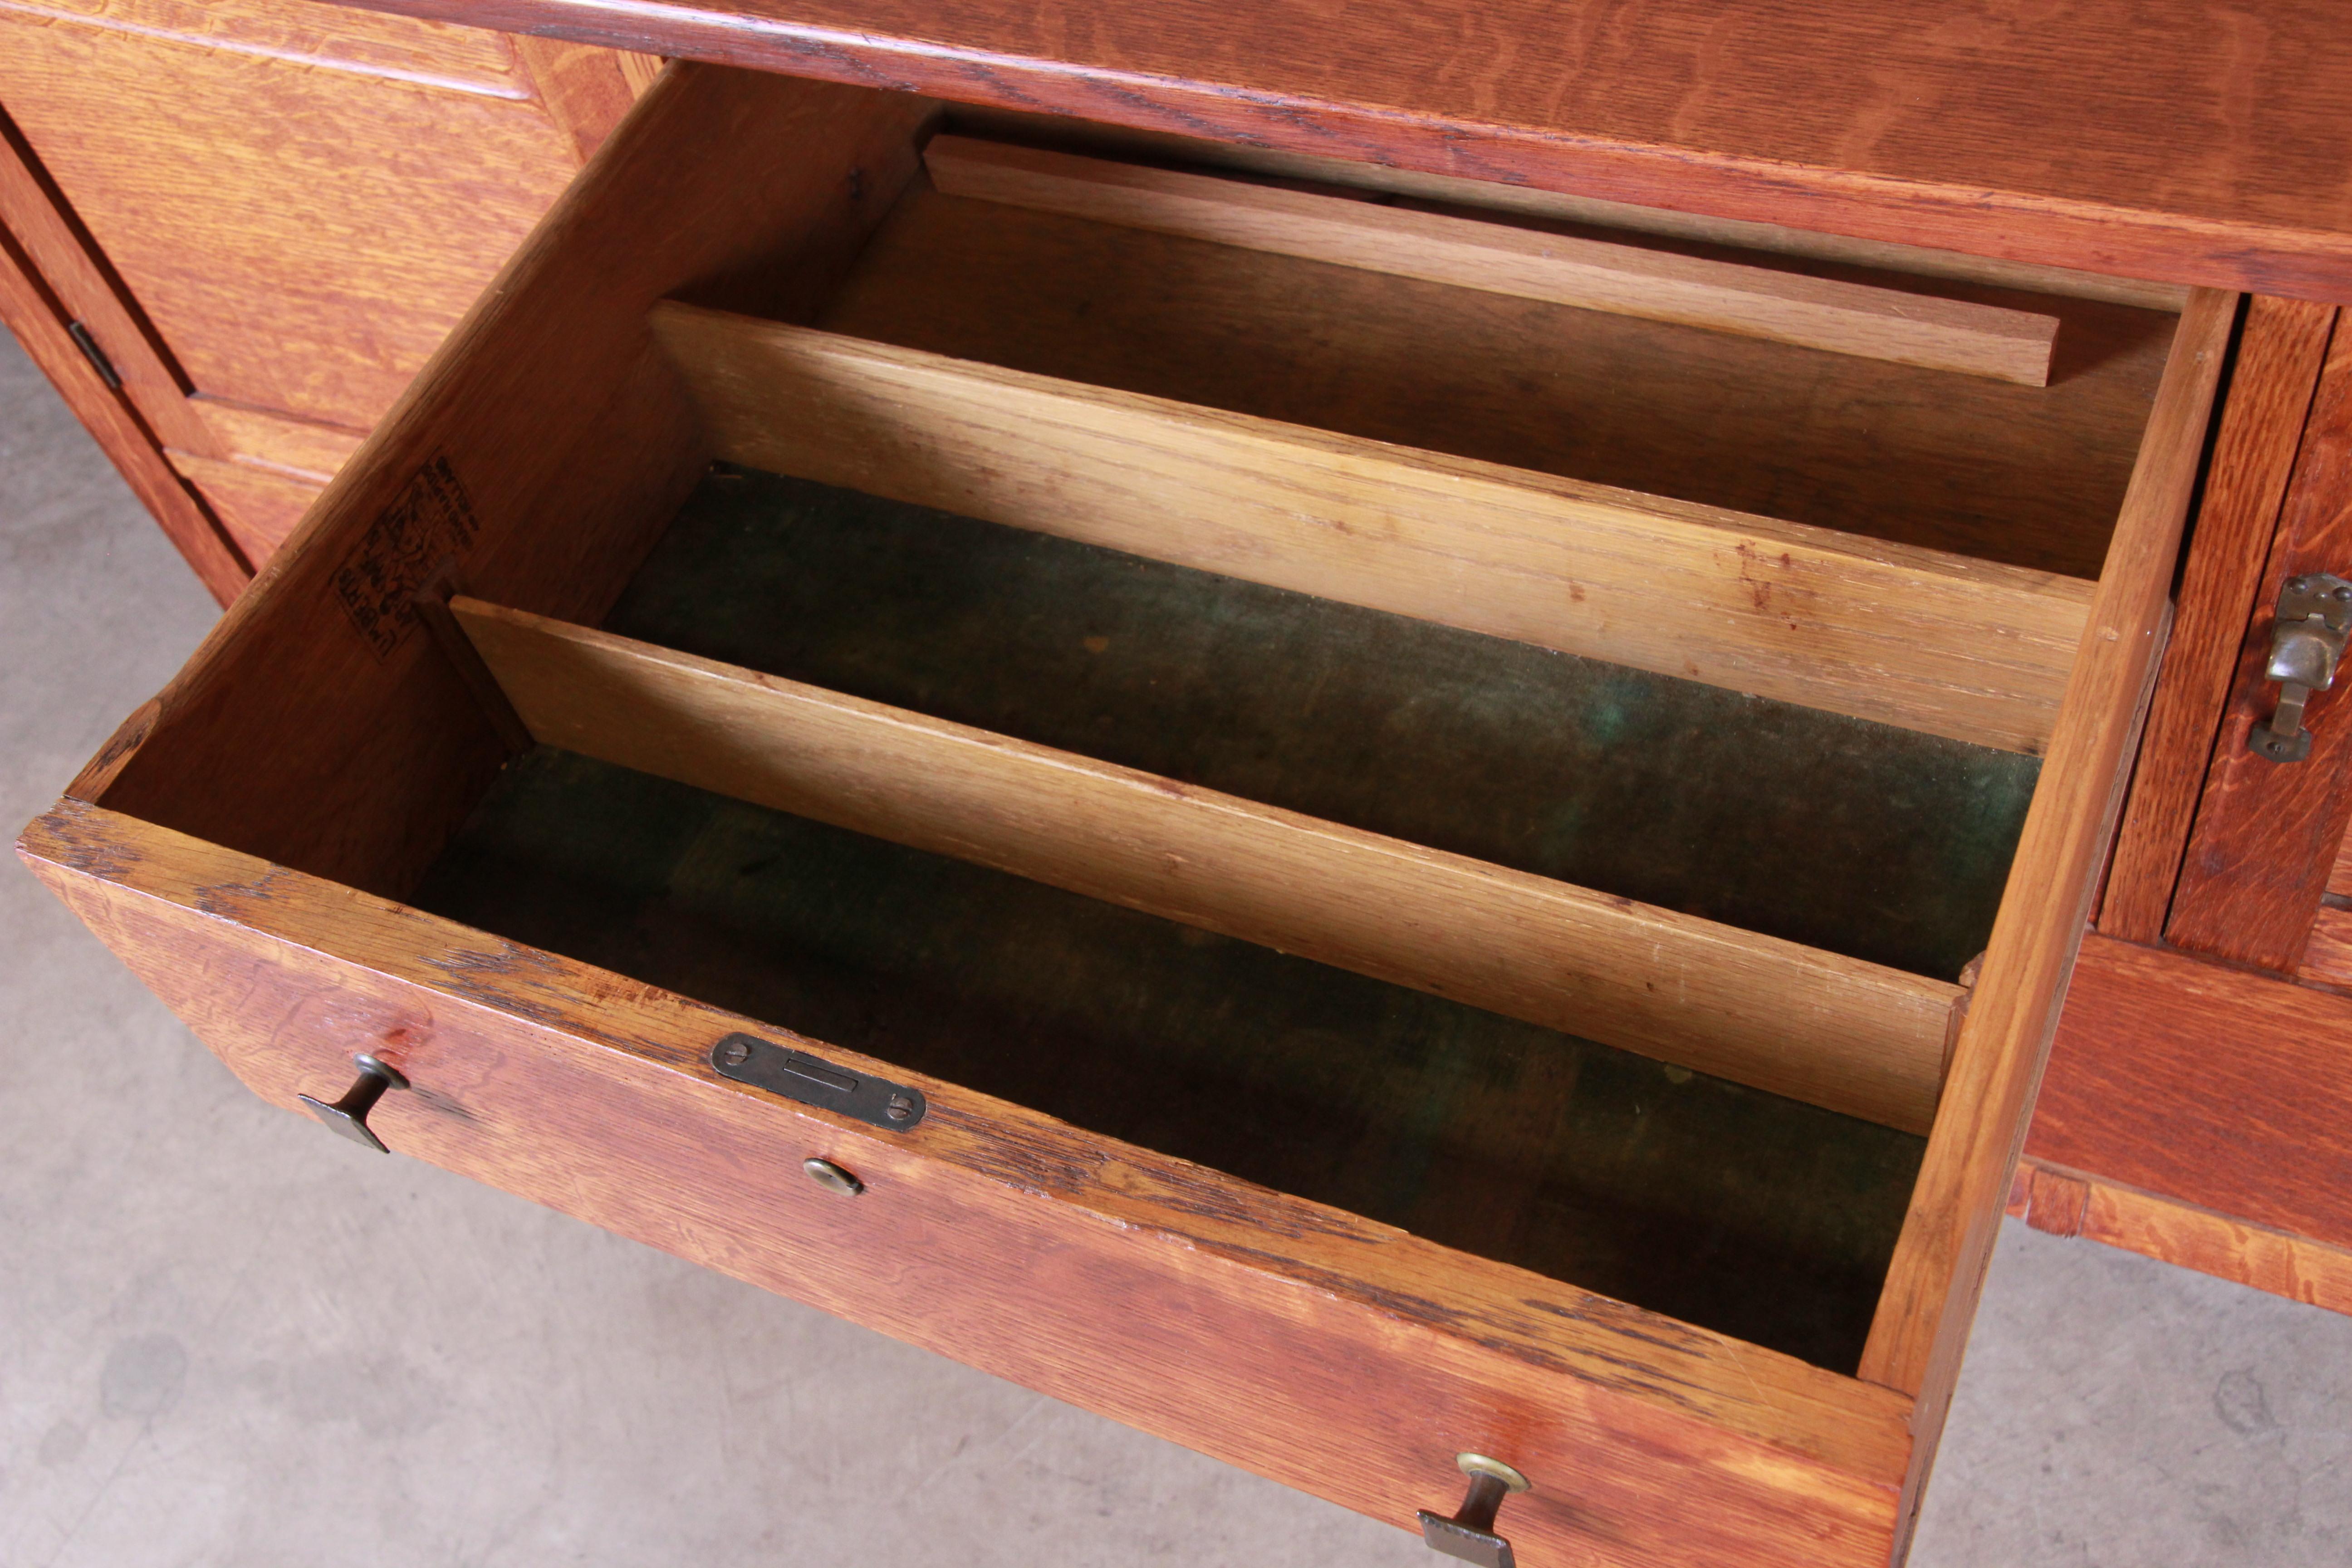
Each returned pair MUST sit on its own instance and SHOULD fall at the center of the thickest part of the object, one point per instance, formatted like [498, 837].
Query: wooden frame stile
[1920, 1332]
[51, 280]
[2279, 354]
[2267, 835]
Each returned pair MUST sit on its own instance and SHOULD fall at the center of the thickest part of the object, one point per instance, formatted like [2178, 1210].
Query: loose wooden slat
[1164, 147]
[2027, 476]
[2268, 834]
[1924, 1314]
[2279, 356]
[1348, 1358]
[1755, 301]
[1915, 637]
[1837, 1032]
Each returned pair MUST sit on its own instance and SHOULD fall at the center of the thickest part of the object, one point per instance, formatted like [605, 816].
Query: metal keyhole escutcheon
[349, 1115]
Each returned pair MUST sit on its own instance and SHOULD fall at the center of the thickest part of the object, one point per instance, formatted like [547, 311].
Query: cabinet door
[293, 202]
[2199, 1097]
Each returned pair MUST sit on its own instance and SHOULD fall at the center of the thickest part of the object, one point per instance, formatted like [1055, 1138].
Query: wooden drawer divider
[1857, 1037]
[1969, 649]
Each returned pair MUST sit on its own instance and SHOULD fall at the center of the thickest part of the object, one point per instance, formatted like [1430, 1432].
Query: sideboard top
[2186, 141]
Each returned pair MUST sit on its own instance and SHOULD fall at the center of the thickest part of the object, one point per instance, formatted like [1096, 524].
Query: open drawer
[1356, 817]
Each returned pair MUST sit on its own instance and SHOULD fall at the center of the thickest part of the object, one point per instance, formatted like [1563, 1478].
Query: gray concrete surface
[226, 1338]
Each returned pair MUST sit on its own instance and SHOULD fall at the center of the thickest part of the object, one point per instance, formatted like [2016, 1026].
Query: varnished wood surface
[2327, 955]
[1854, 1037]
[260, 505]
[2267, 834]
[302, 236]
[2180, 140]
[1347, 1359]
[39, 318]
[301, 448]
[1745, 297]
[1097, 138]
[1972, 650]
[2026, 475]
[70, 264]
[2204, 1084]
[2070, 1203]
[1929, 1304]
[539, 455]
[2278, 360]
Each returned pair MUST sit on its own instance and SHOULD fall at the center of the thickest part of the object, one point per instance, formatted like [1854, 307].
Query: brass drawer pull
[1469, 1534]
[349, 1115]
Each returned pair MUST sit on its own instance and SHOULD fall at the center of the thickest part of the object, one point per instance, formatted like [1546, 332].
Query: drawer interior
[1535, 775]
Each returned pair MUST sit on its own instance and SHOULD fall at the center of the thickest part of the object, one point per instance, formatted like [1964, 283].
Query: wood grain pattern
[2028, 475]
[1855, 1037]
[1591, 274]
[38, 320]
[311, 36]
[2339, 876]
[2070, 1203]
[1990, 132]
[260, 506]
[2267, 834]
[582, 89]
[2279, 354]
[62, 255]
[1967, 649]
[2327, 955]
[553, 416]
[298, 447]
[2206, 1085]
[1157, 1293]
[302, 238]
[1921, 1330]
[1528, 201]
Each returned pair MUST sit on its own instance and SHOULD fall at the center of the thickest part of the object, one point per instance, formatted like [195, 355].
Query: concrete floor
[227, 1338]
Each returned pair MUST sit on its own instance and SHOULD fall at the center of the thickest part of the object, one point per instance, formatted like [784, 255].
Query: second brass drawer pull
[798, 1076]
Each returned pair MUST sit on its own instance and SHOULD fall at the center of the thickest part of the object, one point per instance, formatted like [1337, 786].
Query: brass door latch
[2314, 613]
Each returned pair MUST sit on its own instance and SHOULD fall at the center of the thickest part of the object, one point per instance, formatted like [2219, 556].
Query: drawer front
[1273, 1333]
